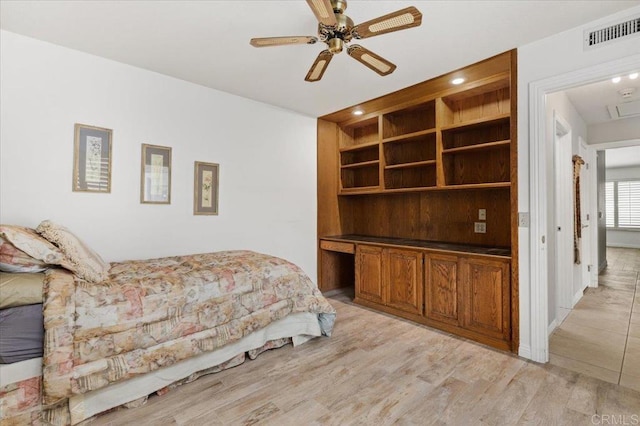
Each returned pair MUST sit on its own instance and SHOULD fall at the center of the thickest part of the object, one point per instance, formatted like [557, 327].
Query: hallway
[601, 335]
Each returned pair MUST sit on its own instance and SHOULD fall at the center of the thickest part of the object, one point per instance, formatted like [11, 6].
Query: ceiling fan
[336, 29]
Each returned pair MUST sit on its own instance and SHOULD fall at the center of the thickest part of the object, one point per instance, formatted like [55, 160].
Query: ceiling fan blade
[282, 41]
[399, 20]
[323, 11]
[371, 60]
[319, 66]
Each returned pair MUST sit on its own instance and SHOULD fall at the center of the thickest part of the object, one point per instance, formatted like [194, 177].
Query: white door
[563, 167]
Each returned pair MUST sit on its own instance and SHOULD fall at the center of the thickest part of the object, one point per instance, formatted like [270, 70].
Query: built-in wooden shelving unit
[418, 166]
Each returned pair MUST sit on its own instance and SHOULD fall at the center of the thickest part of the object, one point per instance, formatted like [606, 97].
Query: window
[622, 199]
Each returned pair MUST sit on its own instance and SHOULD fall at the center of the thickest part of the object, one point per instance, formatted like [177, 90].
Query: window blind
[629, 204]
[622, 200]
[610, 204]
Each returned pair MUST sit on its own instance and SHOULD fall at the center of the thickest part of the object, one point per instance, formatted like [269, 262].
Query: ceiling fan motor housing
[336, 36]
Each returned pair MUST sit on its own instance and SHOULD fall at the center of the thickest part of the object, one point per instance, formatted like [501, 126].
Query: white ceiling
[591, 100]
[207, 42]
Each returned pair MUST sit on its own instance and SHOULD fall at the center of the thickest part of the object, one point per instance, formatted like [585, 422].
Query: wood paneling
[328, 212]
[488, 104]
[410, 120]
[515, 294]
[486, 297]
[403, 280]
[441, 288]
[338, 246]
[337, 270]
[446, 216]
[369, 273]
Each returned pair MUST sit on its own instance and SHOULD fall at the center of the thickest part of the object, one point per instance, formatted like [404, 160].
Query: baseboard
[602, 266]
[577, 297]
[552, 326]
[623, 245]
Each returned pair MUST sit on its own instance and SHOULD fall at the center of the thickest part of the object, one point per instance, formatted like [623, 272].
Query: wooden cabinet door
[369, 273]
[442, 290]
[403, 280]
[486, 288]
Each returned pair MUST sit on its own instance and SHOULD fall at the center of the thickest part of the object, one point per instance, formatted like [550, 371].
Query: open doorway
[596, 334]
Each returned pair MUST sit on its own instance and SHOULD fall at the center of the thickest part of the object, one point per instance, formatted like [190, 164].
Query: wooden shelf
[409, 136]
[411, 165]
[475, 186]
[489, 185]
[359, 147]
[363, 164]
[480, 146]
[361, 189]
[480, 122]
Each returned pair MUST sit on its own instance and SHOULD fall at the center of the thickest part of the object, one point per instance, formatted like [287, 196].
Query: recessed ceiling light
[633, 76]
[358, 112]
[458, 80]
[616, 79]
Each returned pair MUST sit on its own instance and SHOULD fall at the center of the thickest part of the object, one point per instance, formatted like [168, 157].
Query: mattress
[21, 333]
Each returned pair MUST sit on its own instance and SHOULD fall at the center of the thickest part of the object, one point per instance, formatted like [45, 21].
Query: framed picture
[92, 159]
[205, 197]
[155, 175]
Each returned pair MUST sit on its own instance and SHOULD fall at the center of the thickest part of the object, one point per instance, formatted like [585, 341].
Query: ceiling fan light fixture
[335, 45]
[616, 80]
[633, 75]
[457, 81]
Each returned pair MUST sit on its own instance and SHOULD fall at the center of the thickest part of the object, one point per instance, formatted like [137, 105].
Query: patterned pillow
[31, 244]
[78, 257]
[13, 259]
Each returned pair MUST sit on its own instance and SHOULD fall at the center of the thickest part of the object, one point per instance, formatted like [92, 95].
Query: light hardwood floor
[379, 370]
[601, 336]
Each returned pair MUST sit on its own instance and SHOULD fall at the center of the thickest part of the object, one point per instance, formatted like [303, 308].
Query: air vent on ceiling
[624, 110]
[596, 37]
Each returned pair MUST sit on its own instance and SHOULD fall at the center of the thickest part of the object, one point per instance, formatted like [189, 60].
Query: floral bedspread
[153, 313]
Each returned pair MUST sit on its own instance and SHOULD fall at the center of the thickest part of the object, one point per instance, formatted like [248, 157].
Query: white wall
[267, 158]
[623, 238]
[561, 105]
[556, 55]
[614, 131]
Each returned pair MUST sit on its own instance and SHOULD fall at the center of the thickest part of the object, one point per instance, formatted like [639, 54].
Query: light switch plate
[480, 228]
[482, 214]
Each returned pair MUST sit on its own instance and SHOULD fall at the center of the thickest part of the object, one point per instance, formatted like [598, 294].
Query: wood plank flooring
[601, 336]
[380, 370]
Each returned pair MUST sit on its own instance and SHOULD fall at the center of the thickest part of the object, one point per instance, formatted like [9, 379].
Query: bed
[115, 333]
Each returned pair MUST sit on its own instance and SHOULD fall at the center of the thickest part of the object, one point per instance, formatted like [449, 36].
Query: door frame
[563, 220]
[537, 298]
[589, 184]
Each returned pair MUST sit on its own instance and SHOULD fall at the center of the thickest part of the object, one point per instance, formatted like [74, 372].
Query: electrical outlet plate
[523, 219]
[482, 214]
[480, 228]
